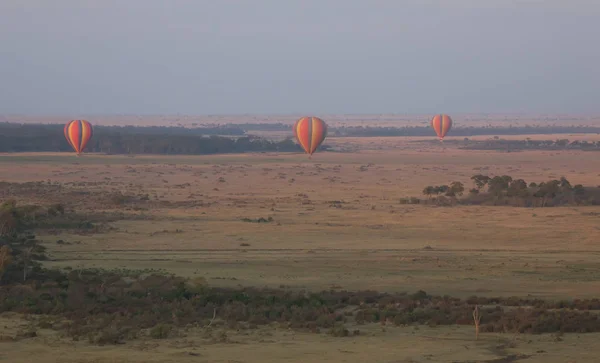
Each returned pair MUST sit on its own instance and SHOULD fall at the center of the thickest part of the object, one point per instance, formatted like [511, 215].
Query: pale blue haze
[298, 56]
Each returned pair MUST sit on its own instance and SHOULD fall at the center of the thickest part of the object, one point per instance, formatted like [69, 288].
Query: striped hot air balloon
[441, 125]
[78, 133]
[310, 133]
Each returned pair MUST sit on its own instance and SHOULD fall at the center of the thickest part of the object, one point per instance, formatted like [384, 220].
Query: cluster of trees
[366, 131]
[261, 126]
[139, 140]
[16, 129]
[19, 251]
[528, 144]
[505, 190]
[378, 131]
[452, 190]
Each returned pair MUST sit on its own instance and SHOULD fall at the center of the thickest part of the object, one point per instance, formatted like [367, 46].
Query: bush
[161, 331]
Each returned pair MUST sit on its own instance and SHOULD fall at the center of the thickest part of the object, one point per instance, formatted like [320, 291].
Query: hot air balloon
[441, 125]
[78, 133]
[310, 133]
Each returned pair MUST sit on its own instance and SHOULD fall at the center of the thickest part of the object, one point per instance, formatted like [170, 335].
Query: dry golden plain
[337, 222]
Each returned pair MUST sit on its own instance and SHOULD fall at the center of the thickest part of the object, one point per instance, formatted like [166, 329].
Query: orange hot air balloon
[310, 133]
[441, 125]
[78, 133]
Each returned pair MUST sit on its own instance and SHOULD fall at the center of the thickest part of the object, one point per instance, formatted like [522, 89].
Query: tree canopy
[140, 140]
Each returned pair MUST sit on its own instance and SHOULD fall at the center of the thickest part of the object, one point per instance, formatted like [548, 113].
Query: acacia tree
[518, 188]
[441, 189]
[5, 259]
[578, 189]
[547, 191]
[9, 218]
[497, 185]
[480, 180]
[19, 251]
[428, 191]
[457, 188]
[564, 183]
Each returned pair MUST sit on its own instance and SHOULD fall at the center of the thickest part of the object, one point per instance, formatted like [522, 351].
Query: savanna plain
[373, 269]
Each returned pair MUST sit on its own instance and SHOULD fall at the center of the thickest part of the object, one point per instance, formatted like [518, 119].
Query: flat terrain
[391, 120]
[375, 344]
[335, 221]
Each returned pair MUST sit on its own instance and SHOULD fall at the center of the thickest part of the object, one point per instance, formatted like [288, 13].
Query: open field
[375, 344]
[333, 222]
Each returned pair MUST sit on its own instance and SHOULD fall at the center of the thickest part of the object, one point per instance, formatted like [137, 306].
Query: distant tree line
[233, 138]
[140, 140]
[382, 131]
[527, 144]
[17, 129]
[505, 190]
[368, 131]
[262, 126]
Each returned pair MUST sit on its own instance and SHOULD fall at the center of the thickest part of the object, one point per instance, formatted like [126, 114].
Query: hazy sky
[299, 56]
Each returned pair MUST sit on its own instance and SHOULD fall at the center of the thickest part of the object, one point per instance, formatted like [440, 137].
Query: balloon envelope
[441, 125]
[310, 133]
[78, 133]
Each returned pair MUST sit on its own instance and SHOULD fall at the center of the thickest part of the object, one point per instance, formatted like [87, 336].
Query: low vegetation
[497, 143]
[113, 306]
